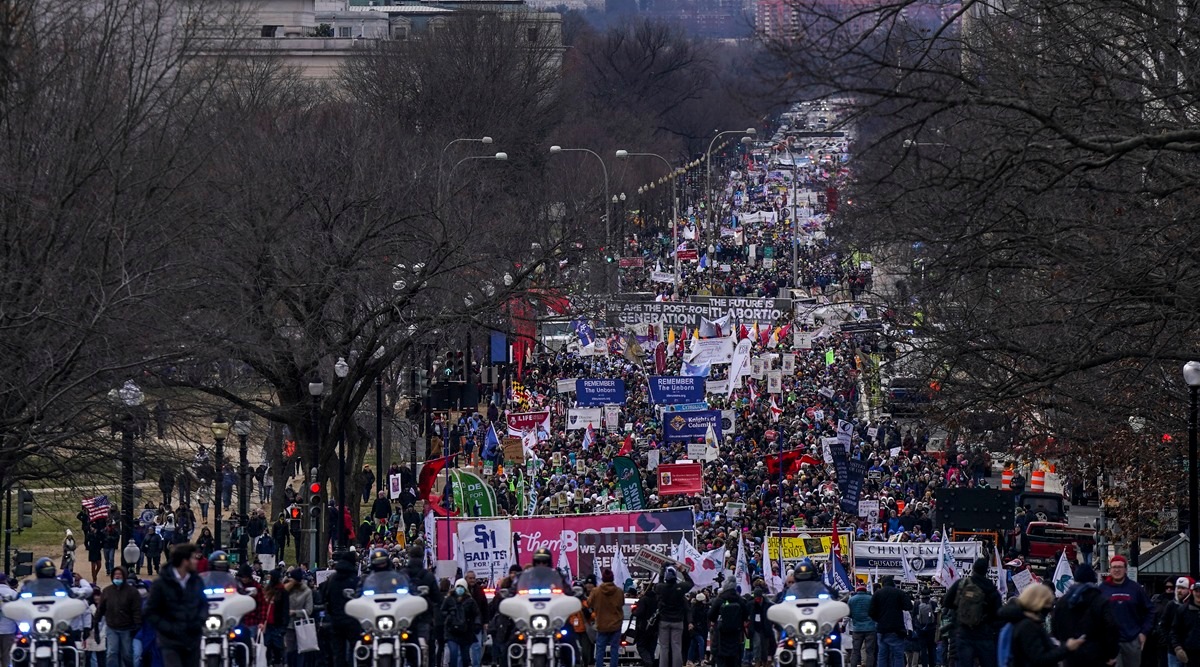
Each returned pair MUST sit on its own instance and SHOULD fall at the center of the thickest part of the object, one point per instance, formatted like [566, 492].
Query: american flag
[97, 507]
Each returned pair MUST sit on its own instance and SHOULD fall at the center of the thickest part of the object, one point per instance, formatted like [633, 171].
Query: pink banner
[557, 533]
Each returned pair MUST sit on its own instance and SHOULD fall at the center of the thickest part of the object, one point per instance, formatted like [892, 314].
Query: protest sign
[670, 389]
[578, 419]
[691, 425]
[591, 392]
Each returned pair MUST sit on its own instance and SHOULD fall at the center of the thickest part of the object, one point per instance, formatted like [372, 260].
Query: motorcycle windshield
[540, 581]
[808, 590]
[219, 583]
[44, 588]
[390, 582]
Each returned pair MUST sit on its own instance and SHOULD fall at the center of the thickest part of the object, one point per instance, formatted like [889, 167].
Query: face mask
[118, 582]
[460, 590]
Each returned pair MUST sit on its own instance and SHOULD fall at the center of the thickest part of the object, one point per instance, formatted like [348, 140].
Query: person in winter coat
[672, 616]
[862, 628]
[366, 481]
[1131, 609]
[647, 632]
[345, 627]
[762, 631]
[1185, 629]
[1030, 644]
[177, 608]
[699, 627]
[887, 610]
[153, 546]
[300, 607]
[1165, 604]
[68, 552]
[1179, 601]
[1084, 611]
[421, 578]
[460, 619]
[975, 601]
[728, 616]
[607, 603]
[382, 507]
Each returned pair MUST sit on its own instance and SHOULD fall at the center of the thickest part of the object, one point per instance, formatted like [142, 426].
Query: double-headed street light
[1191, 376]
[131, 398]
[624, 155]
[500, 156]
[750, 133]
[555, 150]
[220, 429]
[241, 428]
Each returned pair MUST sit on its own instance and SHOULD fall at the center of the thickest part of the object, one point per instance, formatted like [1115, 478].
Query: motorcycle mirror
[348, 592]
[423, 590]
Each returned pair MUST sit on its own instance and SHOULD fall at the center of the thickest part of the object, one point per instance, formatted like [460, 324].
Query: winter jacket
[419, 576]
[1031, 644]
[1085, 611]
[344, 576]
[860, 617]
[1185, 631]
[607, 603]
[990, 627]
[672, 599]
[176, 610]
[727, 644]
[887, 609]
[120, 607]
[460, 618]
[1131, 608]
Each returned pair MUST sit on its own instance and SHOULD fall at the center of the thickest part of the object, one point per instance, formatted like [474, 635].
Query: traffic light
[448, 369]
[294, 517]
[25, 508]
[24, 564]
[422, 381]
[460, 365]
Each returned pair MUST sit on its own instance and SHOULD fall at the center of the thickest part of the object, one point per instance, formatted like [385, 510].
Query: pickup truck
[1050, 507]
[1047, 539]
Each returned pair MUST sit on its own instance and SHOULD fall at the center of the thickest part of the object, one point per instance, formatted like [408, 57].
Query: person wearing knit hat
[1131, 609]
[460, 617]
[1083, 611]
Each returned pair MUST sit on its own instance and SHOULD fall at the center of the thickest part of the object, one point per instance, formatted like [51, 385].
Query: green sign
[472, 495]
[629, 481]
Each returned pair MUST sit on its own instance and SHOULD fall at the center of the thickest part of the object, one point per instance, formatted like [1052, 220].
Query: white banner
[579, 418]
[845, 433]
[757, 368]
[788, 362]
[612, 417]
[566, 386]
[661, 277]
[716, 387]
[884, 557]
[710, 351]
[484, 547]
[652, 459]
[394, 487]
[870, 510]
[728, 422]
[695, 451]
[802, 340]
[774, 382]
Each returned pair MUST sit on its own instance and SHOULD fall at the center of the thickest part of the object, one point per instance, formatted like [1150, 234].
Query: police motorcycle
[810, 615]
[43, 611]
[539, 612]
[221, 643]
[385, 609]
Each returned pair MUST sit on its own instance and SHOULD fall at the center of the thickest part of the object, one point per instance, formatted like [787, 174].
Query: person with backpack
[1131, 609]
[1185, 630]
[862, 629]
[672, 615]
[925, 629]
[887, 610]
[1083, 610]
[460, 616]
[728, 616]
[1024, 641]
[975, 601]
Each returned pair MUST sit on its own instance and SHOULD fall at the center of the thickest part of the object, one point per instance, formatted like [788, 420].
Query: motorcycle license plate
[386, 648]
[212, 649]
[540, 649]
[808, 654]
[43, 652]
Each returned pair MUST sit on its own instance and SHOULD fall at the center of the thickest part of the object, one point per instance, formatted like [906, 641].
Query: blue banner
[856, 470]
[499, 348]
[686, 407]
[591, 392]
[688, 426]
[670, 389]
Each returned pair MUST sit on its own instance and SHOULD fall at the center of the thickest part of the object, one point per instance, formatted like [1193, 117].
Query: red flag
[627, 448]
[660, 358]
[792, 460]
[429, 473]
[835, 546]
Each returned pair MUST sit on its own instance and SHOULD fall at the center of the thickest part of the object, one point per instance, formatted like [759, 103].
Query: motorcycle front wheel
[43, 662]
[539, 661]
[212, 661]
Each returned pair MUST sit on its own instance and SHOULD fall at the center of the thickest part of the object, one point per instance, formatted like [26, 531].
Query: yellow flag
[671, 338]
[696, 333]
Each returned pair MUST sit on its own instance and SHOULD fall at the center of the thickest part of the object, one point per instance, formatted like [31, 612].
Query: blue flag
[695, 370]
[491, 443]
[585, 332]
[838, 580]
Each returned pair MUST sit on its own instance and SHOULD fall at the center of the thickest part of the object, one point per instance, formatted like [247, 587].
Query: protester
[1166, 624]
[121, 609]
[607, 603]
[887, 610]
[460, 617]
[862, 629]
[1030, 645]
[672, 616]
[1084, 611]
[177, 608]
[728, 616]
[975, 601]
[1131, 609]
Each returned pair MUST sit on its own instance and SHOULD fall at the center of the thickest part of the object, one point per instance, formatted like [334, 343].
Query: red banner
[631, 262]
[792, 460]
[538, 422]
[680, 478]
[688, 255]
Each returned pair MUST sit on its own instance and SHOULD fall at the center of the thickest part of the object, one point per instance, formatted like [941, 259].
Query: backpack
[1004, 646]
[925, 615]
[456, 620]
[729, 620]
[971, 603]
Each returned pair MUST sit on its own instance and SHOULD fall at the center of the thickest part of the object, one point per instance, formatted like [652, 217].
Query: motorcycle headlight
[808, 628]
[539, 622]
[386, 623]
[213, 623]
[43, 626]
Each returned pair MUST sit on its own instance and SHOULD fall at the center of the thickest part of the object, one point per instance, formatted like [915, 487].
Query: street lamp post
[241, 428]
[750, 132]
[1191, 375]
[624, 154]
[555, 150]
[341, 369]
[131, 397]
[315, 389]
[487, 141]
[502, 157]
[220, 429]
